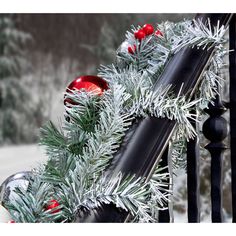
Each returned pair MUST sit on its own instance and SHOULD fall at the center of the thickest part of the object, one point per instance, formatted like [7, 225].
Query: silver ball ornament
[20, 179]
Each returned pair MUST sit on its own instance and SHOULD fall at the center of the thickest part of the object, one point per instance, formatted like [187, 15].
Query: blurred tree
[11, 54]
[17, 112]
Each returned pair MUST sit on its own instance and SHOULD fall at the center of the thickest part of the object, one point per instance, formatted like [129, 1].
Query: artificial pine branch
[129, 193]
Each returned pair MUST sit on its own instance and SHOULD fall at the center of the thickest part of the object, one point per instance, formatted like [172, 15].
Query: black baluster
[164, 215]
[232, 70]
[193, 179]
[215, 129]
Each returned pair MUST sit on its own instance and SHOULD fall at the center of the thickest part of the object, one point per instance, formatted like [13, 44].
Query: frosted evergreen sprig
[178, 148]
[129, 193]
[212, 78]
[107, 135]
[197, 33]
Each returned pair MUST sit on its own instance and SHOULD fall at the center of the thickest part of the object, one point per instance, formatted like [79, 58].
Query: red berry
[148, 29]
[53, 204]
[136, 34]
[140, 34]
[11, 221]
[132, 49]
[158, 33]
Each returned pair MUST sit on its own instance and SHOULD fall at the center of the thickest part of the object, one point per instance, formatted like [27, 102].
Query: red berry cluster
[140, 34]
[51, 205]
[146, 30]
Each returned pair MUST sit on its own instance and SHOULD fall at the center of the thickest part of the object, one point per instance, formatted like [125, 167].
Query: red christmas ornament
[140, 34]
[90, 83]
[148, 29]
[158, 33]
[53, 204]
[132, 49]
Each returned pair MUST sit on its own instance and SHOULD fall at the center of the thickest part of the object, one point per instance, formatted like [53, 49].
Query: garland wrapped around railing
[104, 165]
[139, 158]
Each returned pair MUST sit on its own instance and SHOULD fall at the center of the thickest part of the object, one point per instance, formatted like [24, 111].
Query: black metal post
[193, 179]
[232, 70]
[215, 129]
[164, 215]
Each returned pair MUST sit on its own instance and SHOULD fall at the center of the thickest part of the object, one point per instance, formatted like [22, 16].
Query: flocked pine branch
[129, 193]
[178, 149]
[53, 139]
[107, 135]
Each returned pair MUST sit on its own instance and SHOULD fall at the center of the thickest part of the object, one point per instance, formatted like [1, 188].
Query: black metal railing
[193, 179]
[232, 105]
[138, 157]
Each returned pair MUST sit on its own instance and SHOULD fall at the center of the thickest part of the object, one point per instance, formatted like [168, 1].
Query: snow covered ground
[14, 159]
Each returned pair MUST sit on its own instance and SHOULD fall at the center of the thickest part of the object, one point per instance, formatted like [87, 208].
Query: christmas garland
[74, 179]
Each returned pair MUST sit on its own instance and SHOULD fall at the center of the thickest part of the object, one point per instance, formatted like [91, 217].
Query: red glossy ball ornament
[132, 49]
[89, 83]
[53, 204]
[140, 34]
[148, 29]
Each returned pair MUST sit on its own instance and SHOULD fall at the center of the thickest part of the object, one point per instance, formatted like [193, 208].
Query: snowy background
[42, 53]
[19, 158]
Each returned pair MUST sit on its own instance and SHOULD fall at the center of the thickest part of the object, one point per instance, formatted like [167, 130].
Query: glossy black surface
[164, 215]
[193, 179]
[215, 128]
[232, 69]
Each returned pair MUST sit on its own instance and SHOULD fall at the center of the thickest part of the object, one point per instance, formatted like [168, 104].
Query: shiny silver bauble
[20, 179]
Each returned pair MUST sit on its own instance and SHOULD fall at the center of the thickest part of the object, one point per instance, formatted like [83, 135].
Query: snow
[14, 159]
